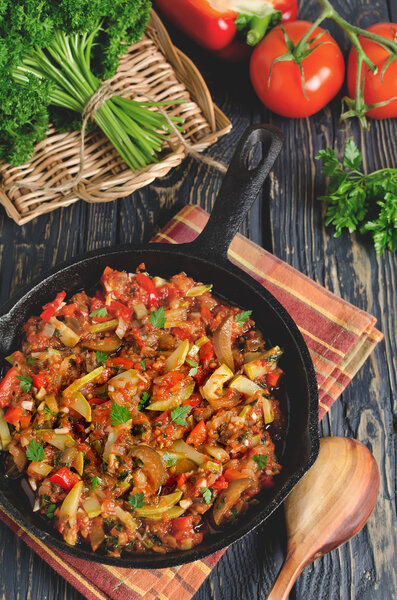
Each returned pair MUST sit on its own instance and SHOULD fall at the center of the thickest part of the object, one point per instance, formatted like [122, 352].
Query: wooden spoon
[330, 504]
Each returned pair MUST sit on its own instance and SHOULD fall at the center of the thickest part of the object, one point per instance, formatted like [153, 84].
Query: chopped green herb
[144, 401]
[233, 513]
[99, 312]
[95, 481]
[261, 460]
[123, 475]
[31, 360]
[119, 414]
[35, 451]
[207, 495]
[179, 413]
[50, 510]
[143, 364]
[157, 318]
[49, 411]
[26, 382]
[137, 500]
[101, 356]
[243, 316]
[194, 365]
[169, 459]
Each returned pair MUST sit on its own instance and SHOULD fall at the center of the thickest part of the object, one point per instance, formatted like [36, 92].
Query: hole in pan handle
[239, 190]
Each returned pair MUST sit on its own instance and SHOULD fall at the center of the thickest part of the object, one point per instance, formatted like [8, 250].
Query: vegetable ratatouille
[135, 411]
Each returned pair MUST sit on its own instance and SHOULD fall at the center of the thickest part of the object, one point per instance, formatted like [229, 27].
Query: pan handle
[238, 192]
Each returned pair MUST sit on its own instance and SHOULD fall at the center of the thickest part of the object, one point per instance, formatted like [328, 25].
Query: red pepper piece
[210, 28]
[93, 401]
[65, 478]
[13, 414]
[119, 361]
[51, 308]
[220, 483]
[182, 334]
[120, 310]
[198, 435]
[181, 480]
[7, 386]
[206, 354]
[68, 310]
[181, 527]
[25, 421]
[272, 378]
[148, 285]
[40, 380]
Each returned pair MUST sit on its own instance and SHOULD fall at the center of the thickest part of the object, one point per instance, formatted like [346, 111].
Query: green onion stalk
[136, 132]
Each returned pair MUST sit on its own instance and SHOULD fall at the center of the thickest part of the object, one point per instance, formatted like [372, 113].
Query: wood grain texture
[288, 219]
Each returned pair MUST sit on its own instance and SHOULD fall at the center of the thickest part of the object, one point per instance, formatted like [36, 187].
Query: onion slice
[223, 342]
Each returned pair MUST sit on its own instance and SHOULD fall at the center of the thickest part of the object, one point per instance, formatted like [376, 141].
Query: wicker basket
[155, 67]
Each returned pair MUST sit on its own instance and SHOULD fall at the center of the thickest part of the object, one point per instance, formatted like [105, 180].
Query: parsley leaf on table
[243, 316]
[119, 414]
[26, 382]
[137, 500]
[179, 413]
[358, 201]
[35, 451]
[99, 312]
[261, 460]
[157, 318]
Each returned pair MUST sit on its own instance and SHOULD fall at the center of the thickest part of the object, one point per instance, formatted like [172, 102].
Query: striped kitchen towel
[340, 338]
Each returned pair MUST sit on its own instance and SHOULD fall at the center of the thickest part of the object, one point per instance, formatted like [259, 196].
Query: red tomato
[377, 88]
[324, 71]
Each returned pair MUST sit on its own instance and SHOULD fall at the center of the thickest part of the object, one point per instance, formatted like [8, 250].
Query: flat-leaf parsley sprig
[359, 201]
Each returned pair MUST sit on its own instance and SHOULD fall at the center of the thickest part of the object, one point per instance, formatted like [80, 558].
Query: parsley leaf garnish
[179, 413]
[26, 382]
[144, 400]
[95, 481]
[119, 414]
[137, 500]
[169, 459]
[50, 510]
[143, 364]
[194, 369]
[99, 312]
[261, 460]
[207, 494]
[31, 360]
[35, 451]
[101, 356]
[243, 316]
[49, 411]
[157, 318]
[360, 201]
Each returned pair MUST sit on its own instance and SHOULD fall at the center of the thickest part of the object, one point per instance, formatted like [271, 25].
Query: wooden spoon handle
[289, 573]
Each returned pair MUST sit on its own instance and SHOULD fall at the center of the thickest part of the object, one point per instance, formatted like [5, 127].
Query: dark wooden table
[288, 220]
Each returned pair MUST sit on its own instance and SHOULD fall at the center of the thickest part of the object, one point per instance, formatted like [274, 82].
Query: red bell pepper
[65, 478]
[206, 354]
[119, 361]
[272, 378]
[120, 310]
[40, 380]
[93, 401]
[9, 383]
[13, 414]
[216, 28]
[198, 435]
[220, 483]
[232, 474]
[51, 308]
[181, 480]
[148, 285]
[181, 527]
